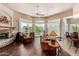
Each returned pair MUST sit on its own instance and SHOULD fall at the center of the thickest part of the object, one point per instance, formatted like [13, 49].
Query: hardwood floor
[32, 49]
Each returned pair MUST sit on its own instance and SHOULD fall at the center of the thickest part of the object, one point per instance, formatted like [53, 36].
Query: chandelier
[39, 13]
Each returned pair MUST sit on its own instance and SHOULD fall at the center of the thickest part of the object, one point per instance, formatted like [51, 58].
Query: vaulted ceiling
[39, 9]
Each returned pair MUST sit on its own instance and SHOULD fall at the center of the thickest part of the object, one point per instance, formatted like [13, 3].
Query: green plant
[37, 29]
[74, 28]
[25, 28]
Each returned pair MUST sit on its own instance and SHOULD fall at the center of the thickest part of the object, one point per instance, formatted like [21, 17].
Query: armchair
[73, 37]
[76, 44]
[32, 35]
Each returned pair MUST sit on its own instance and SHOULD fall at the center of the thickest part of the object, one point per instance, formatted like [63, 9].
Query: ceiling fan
[39, 13]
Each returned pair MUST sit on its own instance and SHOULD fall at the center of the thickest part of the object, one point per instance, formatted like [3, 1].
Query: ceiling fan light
[39, 14]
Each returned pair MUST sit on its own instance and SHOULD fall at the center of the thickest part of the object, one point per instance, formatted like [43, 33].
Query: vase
[53, 42]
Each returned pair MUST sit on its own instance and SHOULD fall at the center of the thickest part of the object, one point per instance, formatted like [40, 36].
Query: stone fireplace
[4, 34]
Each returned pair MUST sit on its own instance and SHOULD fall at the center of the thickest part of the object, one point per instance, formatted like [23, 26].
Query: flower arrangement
[4, 19]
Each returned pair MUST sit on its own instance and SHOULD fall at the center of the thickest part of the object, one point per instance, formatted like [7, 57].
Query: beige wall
[75, 18]
[76, 11]
[76, 8]
[61, 15]
[4, 11]
[17, 16]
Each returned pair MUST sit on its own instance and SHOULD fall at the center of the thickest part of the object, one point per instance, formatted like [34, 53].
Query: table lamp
[53, 33]
[53, 37]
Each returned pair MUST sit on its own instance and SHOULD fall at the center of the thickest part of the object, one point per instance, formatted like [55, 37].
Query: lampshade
[53, 33]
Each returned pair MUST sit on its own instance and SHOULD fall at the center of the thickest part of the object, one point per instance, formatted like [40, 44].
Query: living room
[29, 23]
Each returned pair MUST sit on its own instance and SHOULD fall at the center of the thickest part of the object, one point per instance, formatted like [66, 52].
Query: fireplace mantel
[7, 27]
